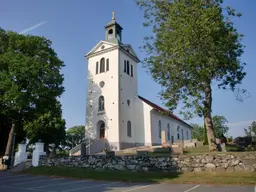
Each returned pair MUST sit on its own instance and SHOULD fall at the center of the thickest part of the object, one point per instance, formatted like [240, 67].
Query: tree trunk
[8, 149]
[205, 138]
[208, 119]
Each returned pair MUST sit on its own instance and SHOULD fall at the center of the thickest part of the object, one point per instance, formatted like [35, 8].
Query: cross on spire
[113, 15]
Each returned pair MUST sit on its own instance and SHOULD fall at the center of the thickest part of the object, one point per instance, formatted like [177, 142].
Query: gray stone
[195, 163]
[119, 167]
[198, 169]
[234, 162]
[220, 169]
[249, 168]
[210, 166]
[187, 169]
[238, 168]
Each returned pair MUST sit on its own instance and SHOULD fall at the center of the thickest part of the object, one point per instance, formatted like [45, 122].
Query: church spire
[114, 31]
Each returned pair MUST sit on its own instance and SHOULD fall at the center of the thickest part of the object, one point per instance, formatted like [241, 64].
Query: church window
[128, 67]
[101, 103]
[168, 131]
[102, 65]
[107, 66]
[178, 132]
[187, 136]
[128, 102]
[129, 129]
[159, 129]
[125, 66]
[132, 70]
[97, 67]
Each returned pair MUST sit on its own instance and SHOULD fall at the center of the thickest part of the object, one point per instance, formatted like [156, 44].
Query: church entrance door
[101, 128]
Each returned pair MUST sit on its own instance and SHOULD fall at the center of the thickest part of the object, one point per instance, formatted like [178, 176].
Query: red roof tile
[158, 108]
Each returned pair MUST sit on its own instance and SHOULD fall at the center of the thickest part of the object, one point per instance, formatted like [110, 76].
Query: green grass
[232, 149]
[224, 178]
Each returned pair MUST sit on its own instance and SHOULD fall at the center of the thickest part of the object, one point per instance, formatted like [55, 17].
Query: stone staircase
[96, 146]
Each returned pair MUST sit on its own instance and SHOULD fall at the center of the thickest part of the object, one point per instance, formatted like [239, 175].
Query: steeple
[114, 31]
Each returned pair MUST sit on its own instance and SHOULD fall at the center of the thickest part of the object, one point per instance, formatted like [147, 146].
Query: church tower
[111, 90]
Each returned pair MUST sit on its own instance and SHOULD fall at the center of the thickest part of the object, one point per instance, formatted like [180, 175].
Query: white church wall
[128, 90]
[143, 123]
[173, 124]
[110, 93]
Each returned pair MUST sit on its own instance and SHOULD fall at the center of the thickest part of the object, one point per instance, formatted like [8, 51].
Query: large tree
[75, 135]
[30, 79]
[251, 130]
[193, 47]
[47, 126]
[220, 125]
[197, 132]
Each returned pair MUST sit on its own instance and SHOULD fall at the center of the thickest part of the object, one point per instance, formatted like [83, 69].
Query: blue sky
[77, 26]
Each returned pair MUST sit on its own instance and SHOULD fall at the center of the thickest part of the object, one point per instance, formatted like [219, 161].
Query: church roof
[160, 109]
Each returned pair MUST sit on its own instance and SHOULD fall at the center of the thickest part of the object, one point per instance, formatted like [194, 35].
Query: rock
[220, 169]
[238, 168]
[249, 168]
[210, 166]
[195, 163]
[119, 167]
[198, 169]
[234, 162]
[131, 167]
[187, 169]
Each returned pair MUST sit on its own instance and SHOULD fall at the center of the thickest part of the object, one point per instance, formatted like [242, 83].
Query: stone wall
[198, 163]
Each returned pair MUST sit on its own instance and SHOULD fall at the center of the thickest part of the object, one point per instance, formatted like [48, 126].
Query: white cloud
[33, 27]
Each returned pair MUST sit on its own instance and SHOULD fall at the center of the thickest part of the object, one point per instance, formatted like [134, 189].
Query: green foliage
[219, 125]
[251, 130]
[48, 126]
[75, 135]
[30, 84]
[197, 132]
[230, 139]
[194, 44]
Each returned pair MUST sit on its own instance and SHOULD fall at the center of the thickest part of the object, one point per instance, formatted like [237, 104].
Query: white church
[116, 117]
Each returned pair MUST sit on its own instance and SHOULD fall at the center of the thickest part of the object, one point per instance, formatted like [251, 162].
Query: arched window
[178, 132]
[187, 136]
[107, 67]
[168, 131]
[159, 129]
[97, 67]
[129, 129]
[182, 134]
[128, 67]
[125, 66]
[102, 65]
[132, 70]
[101, 103]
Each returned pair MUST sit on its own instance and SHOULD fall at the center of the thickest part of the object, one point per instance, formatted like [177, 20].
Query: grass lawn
[223, 178]
[232, 149]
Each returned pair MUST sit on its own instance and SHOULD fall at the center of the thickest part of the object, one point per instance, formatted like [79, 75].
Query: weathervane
[113, 15]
